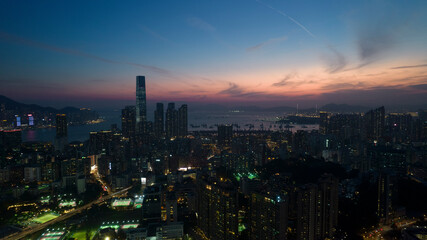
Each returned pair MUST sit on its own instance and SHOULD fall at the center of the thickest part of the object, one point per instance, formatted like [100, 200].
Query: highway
[30, 230]
[377, 234]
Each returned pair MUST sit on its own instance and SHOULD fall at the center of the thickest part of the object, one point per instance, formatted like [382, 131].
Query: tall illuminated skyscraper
[141, 104]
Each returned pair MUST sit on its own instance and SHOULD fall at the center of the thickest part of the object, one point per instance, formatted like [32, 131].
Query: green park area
[81, 234]
[45, 218]
[122, 202]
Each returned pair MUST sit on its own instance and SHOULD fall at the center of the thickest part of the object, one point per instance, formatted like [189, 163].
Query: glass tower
[141, 104]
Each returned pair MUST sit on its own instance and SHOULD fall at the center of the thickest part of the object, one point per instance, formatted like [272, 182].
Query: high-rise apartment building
[375, 123]
[141, 104]
[385, 196]
[269, 216]
[317, 209]
[307, 212]
[217, 208]
[328, 200]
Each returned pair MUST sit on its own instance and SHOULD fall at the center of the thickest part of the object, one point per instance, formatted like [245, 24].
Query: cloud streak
[335, 61]
[201, 25]
[23, 41]
[373, 41]
[235, 90]
[410, 66]
[154, 34]
[266, 43]
[289, 17]
[284, 81]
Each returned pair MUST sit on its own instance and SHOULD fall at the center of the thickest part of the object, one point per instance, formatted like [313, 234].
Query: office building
[141, 104]
[183, 120]
[225, 133]
[61, 125]
[10, 139]
[171, 121]
[61, 132]
[159, 120]
[129, 121]
[151, 204]
[323, 125]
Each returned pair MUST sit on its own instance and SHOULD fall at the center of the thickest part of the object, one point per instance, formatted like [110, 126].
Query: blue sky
[234, 52]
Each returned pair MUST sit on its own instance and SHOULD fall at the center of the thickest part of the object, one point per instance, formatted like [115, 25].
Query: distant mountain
[344, 108]
[9, 108]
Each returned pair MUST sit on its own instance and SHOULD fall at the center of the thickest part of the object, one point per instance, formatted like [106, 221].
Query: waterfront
[198, 121]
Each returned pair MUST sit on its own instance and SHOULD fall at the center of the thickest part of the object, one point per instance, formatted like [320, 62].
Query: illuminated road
[378, 233]
[98, 177]
[197, 233]
[31, 230]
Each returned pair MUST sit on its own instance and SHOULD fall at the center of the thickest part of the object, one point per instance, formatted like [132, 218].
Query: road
[98, 177]
[378, 233]
[30, 230]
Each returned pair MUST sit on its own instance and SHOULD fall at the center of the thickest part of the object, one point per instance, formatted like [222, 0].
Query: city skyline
[262, 53]
[213, 120]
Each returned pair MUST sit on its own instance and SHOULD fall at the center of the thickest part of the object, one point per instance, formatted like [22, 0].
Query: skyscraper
[317, 209]
[183, 120]
[151, 204]
[61, 125]
[328, 193]
[141, 104]
[171, 121]
[375, 123]
[385, 196]
[159, 120]
[61, 132]
[323, 126]
[269, 216]
[217, 208]
[128, 121]
[306, 212]
[225, 133]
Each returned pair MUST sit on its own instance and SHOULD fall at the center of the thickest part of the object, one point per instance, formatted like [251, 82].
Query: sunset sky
[238, 52]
